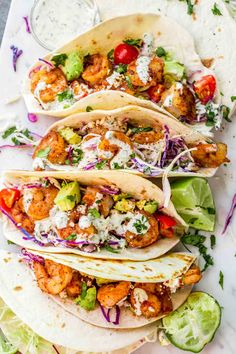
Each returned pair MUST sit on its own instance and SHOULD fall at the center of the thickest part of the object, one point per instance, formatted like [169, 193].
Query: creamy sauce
[59, 218]
[114, 80]
[140, 296]
[84, 222]
[142, 68]
[55, 22]
[138, 219]
[147, 44]
[27, 199]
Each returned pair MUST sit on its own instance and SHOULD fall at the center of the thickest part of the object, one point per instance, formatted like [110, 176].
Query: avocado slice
[174, 70]
[70, 136]
[73, 66]
[150, 207]
[68, 196]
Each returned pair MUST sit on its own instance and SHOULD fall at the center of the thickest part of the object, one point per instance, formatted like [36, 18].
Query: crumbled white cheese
[115, 79]
[27, 199]
[147, 44]
[142, 68]
[59, 218]
[140, 296]
[39, 162]
[163, 339]
[84, 222]
[168, 101]
[173, 284]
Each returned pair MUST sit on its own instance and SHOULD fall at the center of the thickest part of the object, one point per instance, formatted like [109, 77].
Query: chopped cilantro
[190, 6]
[116, 166]
[129, 83]
[77, 155]
[71, 198]
[160, 52]
[100, 165]
[216, 11]
[140, 130]
[43, 153]
[221, 280]
[94, 212]
[213, 241]
[10, 242]
[71, 237]
[225, 113]
[59, 59]
[134, 42]
[110, 249]
[233, 98]
[132, 156]
[65, 95]
[140, 225]
[121, 68]
[110, 55]
[89, 109]
[8, 132]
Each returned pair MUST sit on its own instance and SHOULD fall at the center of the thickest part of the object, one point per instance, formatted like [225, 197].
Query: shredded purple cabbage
[32, 257]
[91, 165]
[36, 135]
[109, 190]
[27, 24]
[32, 117]
[16, 54]
[166, 135]
[16, 146]
[107, 315]
[46, 62]
[230, 214]
[34, 70]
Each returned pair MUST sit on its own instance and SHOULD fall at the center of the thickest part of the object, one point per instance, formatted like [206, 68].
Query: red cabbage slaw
[47, 63]
[30, 257]
[230, 214]
[107, 314]
[16, 54]
[27, 25]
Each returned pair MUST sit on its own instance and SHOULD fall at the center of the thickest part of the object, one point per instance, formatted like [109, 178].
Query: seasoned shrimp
[111, 294]
[149, 306]
[179, 101]
[144, 240]
[42, 202]
[74, 288]
[53, 82]
[147, 137]
[112, 144]
[192, 276]
[19, 215]
[210, 155]
[57, 145]
[105, 203]
[164, 295]
[97, 70]
[148, 287]
[52, 277]
[155, 69]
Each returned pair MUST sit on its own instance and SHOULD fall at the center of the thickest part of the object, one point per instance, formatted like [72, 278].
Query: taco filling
[135, 66]
[123, 143]
[54, 212]
[149, 300]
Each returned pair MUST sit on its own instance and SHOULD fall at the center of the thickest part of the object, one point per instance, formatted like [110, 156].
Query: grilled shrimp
[53, 82]
[179, 101]
[19, 215]
[52, 277]
[155, 69]
[164, 295]
[192, 276]
[57, 153]
[97, 70]
[210, 155]
[144, 240]
[42, 202]
[105, 202]
[107, 148]
[111, 294]
[74, 288]
[147, 137]
[149, 306]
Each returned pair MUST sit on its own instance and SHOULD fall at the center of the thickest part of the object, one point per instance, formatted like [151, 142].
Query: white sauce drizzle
[142, 68]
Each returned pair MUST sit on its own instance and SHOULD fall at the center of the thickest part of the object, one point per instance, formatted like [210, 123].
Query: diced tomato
[165, 221]
[155, 92]
[205, 88]
[8, 196]
[125, 53]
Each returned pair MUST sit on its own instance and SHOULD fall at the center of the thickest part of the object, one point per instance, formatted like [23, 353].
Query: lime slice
[6, 347]
[194, 324]
[193, 200]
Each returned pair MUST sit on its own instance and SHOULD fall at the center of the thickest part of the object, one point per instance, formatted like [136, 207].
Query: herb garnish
[190, 6]
[43, 153]
[59, 59]
[100, 165]
[225, 113]
[8, 132]
[140, 130]
[213, 241]
[121, 68]
[129, 83]
[110, 55]
[94, 212]
[116, 166]
[134, 42]
[233, 98]
[65, 95]
[221, 280]
[71, 198]
[160, 52]
[71, 237]
[197, 240]
[110, 249]
[140, 225]
[216, 11]
[89, 109]
[77, 155]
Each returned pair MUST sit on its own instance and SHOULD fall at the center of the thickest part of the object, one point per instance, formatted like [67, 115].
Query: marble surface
[4, 7]
[223, 184]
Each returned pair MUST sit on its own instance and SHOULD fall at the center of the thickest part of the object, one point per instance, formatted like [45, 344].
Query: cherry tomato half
[8, 196]
[155, 92]
[165, 221]
[125, 53]
[205, 88]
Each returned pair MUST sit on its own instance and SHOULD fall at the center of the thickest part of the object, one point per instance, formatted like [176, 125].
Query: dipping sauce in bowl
[55, 22]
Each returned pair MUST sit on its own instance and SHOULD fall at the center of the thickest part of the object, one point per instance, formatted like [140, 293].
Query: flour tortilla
[138, 187]
[162, 269]
[49, 320]
[137, 115]
[106, 36]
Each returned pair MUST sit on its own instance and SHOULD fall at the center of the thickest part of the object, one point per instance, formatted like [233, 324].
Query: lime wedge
[194, 324]
[193, 200]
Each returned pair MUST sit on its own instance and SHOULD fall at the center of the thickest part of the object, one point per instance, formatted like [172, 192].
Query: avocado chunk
[68, 196]
[174, 70]
[124, 205]
[70, 136]
[150, 207]
[73, 66]
[87, 298]
[102, 281]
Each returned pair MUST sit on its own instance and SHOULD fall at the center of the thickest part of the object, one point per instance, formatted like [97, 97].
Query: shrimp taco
[131, 138]
[116, 294]
[47, 326]
[115, 216]
[134, 59]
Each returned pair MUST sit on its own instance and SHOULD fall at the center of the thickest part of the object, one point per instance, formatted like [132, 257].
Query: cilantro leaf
[116, 166]
[59, 59]
[89, 109]
[140, 225]
[110, 249]
[8, 132]
[94, 212]
[100, 165]
[190, 6]
[121, 68]
[43, 153]
[140, 130]
[129, 83]
[134, 42]
[110, 55]
[65, 95]
[225, 113]
[221, 280]
[216, 11]
[233, 98]
[160, 52]
[71, 237]
[213, 241]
